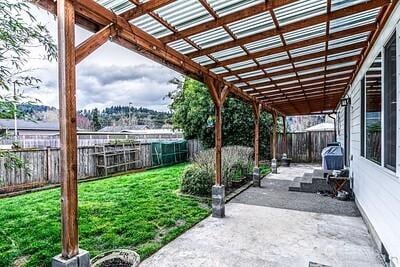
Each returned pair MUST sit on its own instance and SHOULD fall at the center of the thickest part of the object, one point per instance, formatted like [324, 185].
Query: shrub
[198, 177]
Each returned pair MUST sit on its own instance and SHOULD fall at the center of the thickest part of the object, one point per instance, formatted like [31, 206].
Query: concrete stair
[311, 183]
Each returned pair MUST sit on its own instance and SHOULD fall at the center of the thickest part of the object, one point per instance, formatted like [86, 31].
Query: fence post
[48, 164]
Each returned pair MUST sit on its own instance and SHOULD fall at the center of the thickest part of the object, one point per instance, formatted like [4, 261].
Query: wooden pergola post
[256, 169]
[70, 253]
[218, 94]
[284, 136]
[274, 166]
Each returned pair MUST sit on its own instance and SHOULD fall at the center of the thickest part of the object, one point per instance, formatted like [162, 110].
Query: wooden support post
[274, 165]
[218, 95]
[257, 113]
[284, 137]
[68, 141]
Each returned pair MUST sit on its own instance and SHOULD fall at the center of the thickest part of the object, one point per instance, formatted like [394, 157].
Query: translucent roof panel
[345, 54]
[252, 25]
[357, 19]
[250, 74]
[219, 70]
[203, 60]
[183, 14]
[222, 7]
[182, 46]
[283, 76]
[340, 65]
[339, 4]
[309, 61]
[151, 26]
[228, 53]
[305, 33]
[241, 65]
[210, 38]
[279, 68]
[259, 81]
[308, 50]
[300, 10]
[361, 37]
[273, 58]
[230, 78]
[310, 71]
[267, 43]
[117, 6]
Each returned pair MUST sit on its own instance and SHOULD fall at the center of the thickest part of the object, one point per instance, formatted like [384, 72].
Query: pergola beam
[221, 21]
[293, 26]
[93, 42]
[145, 8]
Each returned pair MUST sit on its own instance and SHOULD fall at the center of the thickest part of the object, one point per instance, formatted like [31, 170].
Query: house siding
[377, 189]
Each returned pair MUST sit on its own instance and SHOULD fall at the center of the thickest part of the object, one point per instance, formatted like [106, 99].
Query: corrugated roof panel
[230, 78]
[354, 52]
[223, 7]
[272, 58]
[305, 33]
[308, 49]
[182, 46]
[203, 60]
[228, 53]
[309, 61]
[251, 73]
[241, 65]
[183, 14]
[357, 19]
[340, 65]
[252, 25]
[211, 37]
[283, 76]
[117, 6]
[151, 26]
[259, 81]
[338, 73]
[339, 4]
[300, 10]
[287, 83]
[348, 40]
[279, 68]
[219, 70]
[240, 84]
[312, 78]
[267, 43]
[270, 86]
[310, 71]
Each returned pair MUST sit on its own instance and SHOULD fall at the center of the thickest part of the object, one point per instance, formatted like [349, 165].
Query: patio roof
[294, 57]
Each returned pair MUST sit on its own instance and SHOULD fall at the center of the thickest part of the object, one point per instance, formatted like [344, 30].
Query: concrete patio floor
[259, 234]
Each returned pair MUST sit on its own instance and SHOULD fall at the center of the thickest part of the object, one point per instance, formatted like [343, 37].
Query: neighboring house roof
[113, 129]
[325, 126]
[29, 125]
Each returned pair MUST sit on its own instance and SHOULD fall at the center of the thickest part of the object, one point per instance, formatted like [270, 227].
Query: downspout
[334, 125]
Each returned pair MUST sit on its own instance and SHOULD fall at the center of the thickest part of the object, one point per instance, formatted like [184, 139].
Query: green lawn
[141, 211]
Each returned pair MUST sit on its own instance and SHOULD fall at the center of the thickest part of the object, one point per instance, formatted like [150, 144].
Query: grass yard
[141, 211]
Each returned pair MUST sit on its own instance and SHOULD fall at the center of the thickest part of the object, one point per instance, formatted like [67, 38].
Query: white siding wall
[377, 189]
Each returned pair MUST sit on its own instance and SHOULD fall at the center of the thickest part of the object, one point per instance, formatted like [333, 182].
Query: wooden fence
[42, 165]
[305, 146]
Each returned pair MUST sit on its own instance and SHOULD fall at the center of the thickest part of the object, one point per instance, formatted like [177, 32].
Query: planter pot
[286, 162]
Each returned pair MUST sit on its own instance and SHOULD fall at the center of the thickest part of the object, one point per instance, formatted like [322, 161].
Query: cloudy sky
[112, 75]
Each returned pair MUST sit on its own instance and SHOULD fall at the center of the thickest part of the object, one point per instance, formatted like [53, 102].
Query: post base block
[274, 166]
[218, 201]
[256, 177]
[80, 260]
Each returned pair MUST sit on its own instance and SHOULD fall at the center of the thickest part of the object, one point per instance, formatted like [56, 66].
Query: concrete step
[310, 184]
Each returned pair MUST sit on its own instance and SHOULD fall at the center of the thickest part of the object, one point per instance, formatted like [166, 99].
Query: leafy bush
[198, 177]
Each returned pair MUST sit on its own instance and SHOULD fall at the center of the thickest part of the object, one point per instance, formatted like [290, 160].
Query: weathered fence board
[305, 146]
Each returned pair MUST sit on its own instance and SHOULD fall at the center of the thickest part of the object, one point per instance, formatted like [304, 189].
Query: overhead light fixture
[344, 102]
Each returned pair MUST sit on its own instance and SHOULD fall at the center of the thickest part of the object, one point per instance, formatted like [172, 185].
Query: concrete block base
[80, 260]
[274, 166]
[256, 177]
[218, 201]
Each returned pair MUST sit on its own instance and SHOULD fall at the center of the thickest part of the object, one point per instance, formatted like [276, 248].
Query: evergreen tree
[95, 120]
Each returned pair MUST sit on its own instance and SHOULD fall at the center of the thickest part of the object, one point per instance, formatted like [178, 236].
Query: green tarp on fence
[169, 152]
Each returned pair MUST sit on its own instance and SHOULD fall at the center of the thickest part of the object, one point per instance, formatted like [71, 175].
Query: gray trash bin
[332, 158]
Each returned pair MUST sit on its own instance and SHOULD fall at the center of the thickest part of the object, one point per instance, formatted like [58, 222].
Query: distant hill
[95, 119]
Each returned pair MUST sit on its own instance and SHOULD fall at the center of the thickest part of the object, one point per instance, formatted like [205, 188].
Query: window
[373, 107]
[390, 104]
[362, 117]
